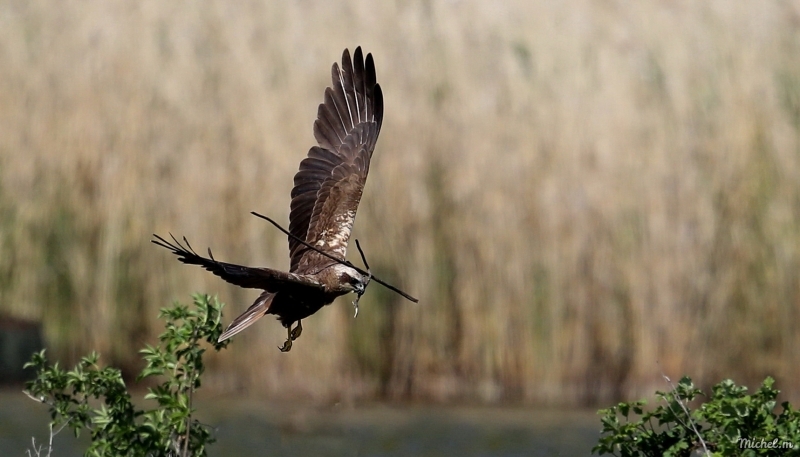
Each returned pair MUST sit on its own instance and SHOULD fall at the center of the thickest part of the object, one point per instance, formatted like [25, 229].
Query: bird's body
[327, 191]
[291, 307]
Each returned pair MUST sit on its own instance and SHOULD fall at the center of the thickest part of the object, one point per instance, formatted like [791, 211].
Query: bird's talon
[287, 346]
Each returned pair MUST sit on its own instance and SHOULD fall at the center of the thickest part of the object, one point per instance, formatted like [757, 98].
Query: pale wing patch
[336, 218]
[334, 239]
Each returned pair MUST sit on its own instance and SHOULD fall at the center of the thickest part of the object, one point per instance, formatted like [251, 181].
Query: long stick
[378, 280]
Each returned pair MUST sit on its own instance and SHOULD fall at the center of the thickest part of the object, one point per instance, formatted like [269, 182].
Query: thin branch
[685, 410]
[35, 449]
[191, 391]
[38, 449]
[363, 257]
[36, 399]
[50, 444]
[347, 263]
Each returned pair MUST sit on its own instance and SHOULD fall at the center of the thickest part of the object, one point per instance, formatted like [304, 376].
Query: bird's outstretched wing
[328, 186]
[249, 277]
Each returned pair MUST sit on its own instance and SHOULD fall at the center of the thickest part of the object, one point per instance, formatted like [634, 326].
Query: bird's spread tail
[253, 313]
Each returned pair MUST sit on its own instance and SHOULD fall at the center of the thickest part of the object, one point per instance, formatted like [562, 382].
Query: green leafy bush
[729, 423]
[96, 399]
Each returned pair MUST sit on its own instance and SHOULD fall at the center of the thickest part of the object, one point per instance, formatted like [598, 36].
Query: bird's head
[352, 280]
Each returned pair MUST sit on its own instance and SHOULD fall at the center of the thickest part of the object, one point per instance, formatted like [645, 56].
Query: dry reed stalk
[575, 189]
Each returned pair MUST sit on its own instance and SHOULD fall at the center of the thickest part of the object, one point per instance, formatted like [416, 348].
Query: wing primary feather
[378, 107]
[187, 245]
[350, 114]
[324, 132]
[345, 73]
[371, 81]
[330, 99]
[358, 85]
[340, 99]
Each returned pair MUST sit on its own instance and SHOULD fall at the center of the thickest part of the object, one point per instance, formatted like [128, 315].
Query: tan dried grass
[575, 190]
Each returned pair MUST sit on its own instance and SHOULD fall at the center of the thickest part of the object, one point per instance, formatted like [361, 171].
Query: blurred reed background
[582, 194]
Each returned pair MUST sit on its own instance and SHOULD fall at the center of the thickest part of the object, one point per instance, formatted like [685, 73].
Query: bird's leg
[287, 346]
[295, 334]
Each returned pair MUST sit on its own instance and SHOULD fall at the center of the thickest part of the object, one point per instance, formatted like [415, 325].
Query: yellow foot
[295, 334]
[287, 346]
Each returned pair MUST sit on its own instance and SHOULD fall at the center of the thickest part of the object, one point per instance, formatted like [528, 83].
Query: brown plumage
[327, 191]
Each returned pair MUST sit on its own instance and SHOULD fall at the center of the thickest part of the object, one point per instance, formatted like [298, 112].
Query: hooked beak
[360, 289]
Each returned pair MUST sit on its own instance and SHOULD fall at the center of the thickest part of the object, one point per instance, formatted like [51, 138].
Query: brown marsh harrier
[325, 197]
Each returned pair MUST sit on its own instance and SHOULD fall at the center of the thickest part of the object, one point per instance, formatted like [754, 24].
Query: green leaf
[726, 416]
[117, 427]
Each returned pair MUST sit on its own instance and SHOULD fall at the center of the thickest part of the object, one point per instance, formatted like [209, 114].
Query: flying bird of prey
[325, 197]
